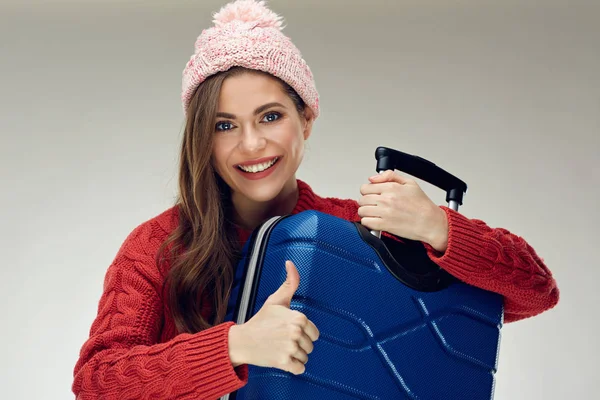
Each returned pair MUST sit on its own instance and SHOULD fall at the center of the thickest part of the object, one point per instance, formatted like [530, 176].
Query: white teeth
[258, 167]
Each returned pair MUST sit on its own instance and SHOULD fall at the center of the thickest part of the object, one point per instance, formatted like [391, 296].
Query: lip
[259, 175]
[257, 161]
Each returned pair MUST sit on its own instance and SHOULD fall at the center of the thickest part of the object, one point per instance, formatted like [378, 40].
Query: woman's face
[259, 137]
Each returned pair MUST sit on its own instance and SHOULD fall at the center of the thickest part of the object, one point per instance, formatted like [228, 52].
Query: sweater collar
[307, 199]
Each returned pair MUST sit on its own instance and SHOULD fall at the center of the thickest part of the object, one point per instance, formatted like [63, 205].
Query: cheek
[294, 141]
[299, 148]
[219, 155]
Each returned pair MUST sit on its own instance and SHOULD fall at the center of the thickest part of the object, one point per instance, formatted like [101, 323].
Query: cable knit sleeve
[497, 260]
[122, 358]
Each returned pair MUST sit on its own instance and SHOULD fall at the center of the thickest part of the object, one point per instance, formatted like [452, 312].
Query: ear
[309, 118]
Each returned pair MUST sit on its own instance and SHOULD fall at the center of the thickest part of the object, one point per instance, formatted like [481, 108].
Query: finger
[311, 330]
[368, 200]
[376, 188]
[298, 319]
[391, 176]
[370, 189]
[384, 176]
[283, 295]
[294, 366]
[369, 211]
[372, 223]
[306, 343]
[301, 355]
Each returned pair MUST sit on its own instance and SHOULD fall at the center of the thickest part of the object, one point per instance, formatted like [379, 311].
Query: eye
[271, 117]
[223, 126]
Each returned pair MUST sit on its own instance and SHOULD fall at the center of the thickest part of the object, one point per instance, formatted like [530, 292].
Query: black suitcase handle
[422, 169]
[408, 261]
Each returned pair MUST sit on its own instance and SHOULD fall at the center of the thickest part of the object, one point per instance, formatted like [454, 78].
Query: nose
[253, 140]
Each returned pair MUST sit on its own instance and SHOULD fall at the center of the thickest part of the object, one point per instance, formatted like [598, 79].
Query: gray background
[506, 95]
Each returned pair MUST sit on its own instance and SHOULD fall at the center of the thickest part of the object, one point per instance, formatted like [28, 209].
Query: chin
[261, 192]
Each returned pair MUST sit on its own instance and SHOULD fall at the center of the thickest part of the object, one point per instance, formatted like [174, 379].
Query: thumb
[389, 176]
[283, 295]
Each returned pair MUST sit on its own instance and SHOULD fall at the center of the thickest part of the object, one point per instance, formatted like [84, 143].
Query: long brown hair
[204, 247]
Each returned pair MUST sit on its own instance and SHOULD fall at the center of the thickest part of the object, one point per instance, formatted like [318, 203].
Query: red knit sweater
[134, 351]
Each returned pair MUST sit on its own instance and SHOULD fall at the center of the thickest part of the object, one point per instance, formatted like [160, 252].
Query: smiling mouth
[258, 167]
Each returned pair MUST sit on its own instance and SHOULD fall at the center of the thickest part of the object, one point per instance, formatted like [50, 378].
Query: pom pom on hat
[248, 34]
[248, 11]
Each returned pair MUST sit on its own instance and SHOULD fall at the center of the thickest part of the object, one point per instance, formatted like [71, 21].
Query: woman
[250, 103]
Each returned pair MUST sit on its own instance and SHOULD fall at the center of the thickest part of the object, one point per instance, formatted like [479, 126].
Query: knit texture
[247, 34]
[134, 351]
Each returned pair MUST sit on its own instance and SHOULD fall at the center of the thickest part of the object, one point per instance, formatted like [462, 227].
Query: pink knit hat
[248, 34]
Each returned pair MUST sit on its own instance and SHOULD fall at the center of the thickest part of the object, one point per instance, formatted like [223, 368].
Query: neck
[249, 214]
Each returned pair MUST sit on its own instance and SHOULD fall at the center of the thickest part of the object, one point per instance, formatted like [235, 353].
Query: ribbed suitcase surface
[379, 339]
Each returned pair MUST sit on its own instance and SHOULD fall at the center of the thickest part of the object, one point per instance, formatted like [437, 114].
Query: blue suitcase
[393, 325]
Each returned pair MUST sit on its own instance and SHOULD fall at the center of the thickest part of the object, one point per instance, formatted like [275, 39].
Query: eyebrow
[256, 112]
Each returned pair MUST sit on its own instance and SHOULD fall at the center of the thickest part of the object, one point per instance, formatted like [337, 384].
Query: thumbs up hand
[276, 336]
